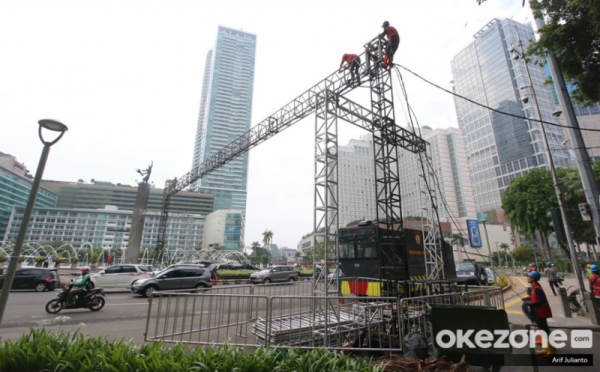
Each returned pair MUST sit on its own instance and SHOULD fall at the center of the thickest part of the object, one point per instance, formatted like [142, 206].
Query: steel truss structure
[326, 99]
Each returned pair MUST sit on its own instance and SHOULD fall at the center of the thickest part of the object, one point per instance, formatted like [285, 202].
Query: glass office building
[500, 147]
[225, 113]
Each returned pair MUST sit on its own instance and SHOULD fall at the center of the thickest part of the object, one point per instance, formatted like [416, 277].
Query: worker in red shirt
[537, 309]
[353, 62]
[594, 280]
[392, 45]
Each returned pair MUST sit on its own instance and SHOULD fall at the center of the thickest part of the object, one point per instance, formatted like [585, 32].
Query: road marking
[514, 312]
[131, 303]
[512, 302]
[522, 281]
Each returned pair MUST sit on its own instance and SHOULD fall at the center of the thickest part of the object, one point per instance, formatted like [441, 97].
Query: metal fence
[292, 315]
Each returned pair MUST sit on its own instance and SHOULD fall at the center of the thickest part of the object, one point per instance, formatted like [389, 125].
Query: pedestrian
[552, 276]
[392, 45]
[588, 270]
[537, 309]
[214, 272]
[353, 62]
[532, 267]
[594, 280]
[110, 260]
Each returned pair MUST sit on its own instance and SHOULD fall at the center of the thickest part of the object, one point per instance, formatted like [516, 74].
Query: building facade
[500, 147]
[225, 113]
[96, 195]
[356, 180]
[15, 186]
[224, 228]
[103, 228]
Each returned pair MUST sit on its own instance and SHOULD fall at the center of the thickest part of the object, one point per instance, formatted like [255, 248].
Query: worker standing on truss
[353, 62]
[393, 42]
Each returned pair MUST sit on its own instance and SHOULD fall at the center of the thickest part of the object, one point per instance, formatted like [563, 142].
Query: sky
[126, 78]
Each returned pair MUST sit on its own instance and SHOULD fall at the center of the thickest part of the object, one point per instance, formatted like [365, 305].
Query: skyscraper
[225, 113]
[500, 147]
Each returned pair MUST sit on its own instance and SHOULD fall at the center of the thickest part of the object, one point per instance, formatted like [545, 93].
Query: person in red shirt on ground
[392, 45]
[594, 280]
[353, 62]
[537, 309]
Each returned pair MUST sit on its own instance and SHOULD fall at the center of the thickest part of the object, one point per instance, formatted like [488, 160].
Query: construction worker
[537, 309]
[392, 45]
[588, 270]
[552, 276]
[532, 267]
[594, 280]
[353, 62]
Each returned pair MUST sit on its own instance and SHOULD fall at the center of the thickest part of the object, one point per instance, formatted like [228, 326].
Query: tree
[255, 246]
[267, 238]
[572, 34]
[524, 253]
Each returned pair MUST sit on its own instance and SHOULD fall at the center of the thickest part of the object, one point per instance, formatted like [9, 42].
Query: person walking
[594, 280]
[353, 62]
[588, 270]
[537, 309]
[214, 272]
[552, 276]
[392, 45]
[110, 260]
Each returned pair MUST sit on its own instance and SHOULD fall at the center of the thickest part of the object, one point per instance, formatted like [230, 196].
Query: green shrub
[39, 259]
[43, 351]
[22, 258]
[3, 257]
[234, 273]
[502, 281]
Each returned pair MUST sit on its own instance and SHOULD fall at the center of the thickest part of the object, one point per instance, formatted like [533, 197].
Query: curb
[247, 281]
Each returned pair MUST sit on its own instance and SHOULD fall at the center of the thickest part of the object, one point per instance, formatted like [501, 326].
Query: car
[470, 273]
[491, 278]
[273, 274]
[38, 278]
[184, 277]
[121, 276]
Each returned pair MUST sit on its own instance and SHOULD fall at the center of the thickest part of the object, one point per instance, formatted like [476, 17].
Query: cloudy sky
[125, 77]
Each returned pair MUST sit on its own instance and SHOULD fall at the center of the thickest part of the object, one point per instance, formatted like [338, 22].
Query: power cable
[489, 108]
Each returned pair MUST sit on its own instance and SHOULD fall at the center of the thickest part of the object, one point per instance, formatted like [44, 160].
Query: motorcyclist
[80, 286]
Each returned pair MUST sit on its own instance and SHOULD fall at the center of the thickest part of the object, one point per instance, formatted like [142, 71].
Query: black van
[37, 278]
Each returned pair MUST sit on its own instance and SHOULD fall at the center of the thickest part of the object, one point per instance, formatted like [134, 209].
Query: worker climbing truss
[328, 101]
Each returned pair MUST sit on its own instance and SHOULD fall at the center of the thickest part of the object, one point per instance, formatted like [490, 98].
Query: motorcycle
[94, 300]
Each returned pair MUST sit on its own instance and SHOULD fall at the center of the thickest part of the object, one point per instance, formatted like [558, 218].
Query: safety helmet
[549, 264]
[532, 264]
[535, 275]
[84, 269]
[385, 24]
[588, 266]
[339, 264]
[595, 268]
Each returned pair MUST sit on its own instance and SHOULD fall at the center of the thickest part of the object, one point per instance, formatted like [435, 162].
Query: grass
[41, 350]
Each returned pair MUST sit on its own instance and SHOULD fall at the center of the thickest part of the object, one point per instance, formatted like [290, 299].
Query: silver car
[275, 274]
[121, 276]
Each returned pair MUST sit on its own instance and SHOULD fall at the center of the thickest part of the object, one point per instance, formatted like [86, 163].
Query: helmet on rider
[549, 264]
[595, 268]
[535, 275]
[588, 266]
[84, 269]
[532, 264]
[385, 24]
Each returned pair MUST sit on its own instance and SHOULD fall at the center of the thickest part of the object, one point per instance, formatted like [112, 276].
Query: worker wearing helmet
[353, 62]
[532, 267]
[552, 276]
[80, 286]
[594, 280]
[588, 270]
[392, 45]
[537, 309]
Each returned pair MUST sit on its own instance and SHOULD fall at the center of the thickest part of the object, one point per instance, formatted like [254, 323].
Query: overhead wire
[430, 166]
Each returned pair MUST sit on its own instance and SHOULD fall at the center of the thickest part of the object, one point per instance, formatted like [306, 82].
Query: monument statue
[146, 173]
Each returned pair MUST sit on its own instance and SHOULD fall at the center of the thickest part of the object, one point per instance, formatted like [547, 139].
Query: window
[366, 250]
[186, 273]
[128, 269]
[347, 250]
[113, 270]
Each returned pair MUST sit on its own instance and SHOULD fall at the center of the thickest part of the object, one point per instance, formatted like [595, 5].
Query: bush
[22, 258]
[94, 258]
[235, 273]
[58, 258]
[3, 257]
[74, 259]
[40, 350]
[39, 259]
[502, 281]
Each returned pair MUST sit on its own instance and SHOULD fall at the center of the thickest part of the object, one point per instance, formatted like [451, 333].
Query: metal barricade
[484, 296]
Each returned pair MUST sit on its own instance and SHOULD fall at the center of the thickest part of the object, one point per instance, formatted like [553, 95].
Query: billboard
[474, 233]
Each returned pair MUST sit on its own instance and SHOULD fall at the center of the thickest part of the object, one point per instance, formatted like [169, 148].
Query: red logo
[418, 239]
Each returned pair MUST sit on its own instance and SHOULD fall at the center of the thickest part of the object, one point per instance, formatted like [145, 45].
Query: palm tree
[505, 247]
[267, 238]
[255, 246]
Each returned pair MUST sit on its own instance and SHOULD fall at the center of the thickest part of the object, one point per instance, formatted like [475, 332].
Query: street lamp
[557, 185]
[53, 126]
[487, 238]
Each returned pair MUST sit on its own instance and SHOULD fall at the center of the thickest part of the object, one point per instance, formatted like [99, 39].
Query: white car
[121, 276]
[490, 276]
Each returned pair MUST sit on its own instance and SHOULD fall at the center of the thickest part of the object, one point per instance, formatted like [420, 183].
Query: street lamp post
[558, 187]
[487, 238]
[54, 126]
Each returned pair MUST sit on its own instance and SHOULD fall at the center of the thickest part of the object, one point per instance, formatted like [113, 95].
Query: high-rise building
[356, 183]
[98, 194]
[500, 147]
[225, 113]
[224, 228]
[447, 153]
[15, 186]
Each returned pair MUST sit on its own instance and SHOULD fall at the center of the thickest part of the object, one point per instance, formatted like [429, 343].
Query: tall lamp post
[54, 126]
[487, 238]
[558, 187]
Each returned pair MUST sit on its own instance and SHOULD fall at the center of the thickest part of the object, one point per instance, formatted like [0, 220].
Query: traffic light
[557, 225]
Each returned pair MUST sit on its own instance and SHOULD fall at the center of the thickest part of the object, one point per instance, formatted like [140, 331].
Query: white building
[103, 228]
[224, 227]
[356, 180]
